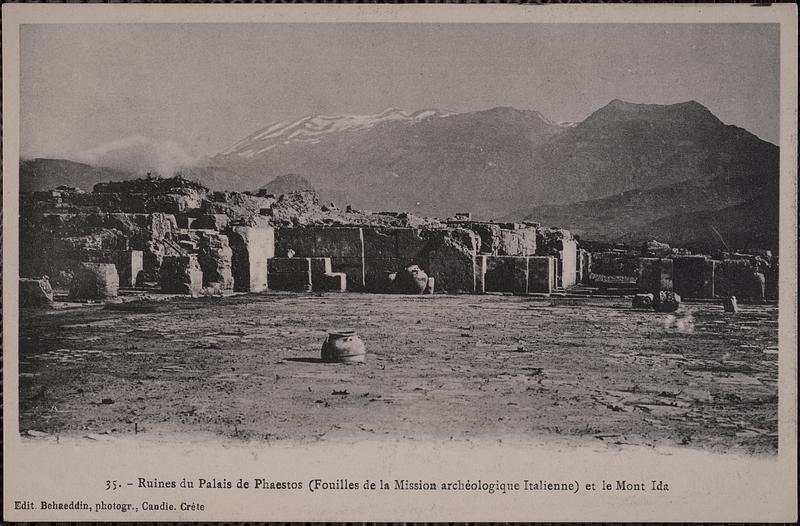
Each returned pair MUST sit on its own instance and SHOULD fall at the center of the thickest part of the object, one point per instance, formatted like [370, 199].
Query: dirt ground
[247, 367]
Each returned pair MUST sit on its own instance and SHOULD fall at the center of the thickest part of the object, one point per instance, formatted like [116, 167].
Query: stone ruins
[175, 236]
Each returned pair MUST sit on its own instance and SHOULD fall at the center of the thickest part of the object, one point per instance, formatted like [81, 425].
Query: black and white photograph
[265, 234]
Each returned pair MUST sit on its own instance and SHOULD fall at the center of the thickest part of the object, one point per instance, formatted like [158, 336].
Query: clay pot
[666, 301]
[411, 280]
[343, 346]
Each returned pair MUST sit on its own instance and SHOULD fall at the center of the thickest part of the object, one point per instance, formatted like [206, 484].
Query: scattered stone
[656, 249]
[666, 301]
[34, 433]
[642, 301]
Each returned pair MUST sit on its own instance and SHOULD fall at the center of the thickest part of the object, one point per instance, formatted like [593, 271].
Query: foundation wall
[344, 245]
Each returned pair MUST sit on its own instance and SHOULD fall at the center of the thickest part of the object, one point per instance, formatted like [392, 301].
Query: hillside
[495, 161]
[45, 174]
[284, 184]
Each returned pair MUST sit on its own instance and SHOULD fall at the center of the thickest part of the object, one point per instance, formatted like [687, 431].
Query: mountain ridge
[504, 162]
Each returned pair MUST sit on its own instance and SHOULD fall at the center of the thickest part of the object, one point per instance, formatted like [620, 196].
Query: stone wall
[541, 274]
[344, 245]
[293, 274]
[506, 274]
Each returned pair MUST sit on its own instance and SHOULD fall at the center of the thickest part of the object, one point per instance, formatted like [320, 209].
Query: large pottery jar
[343, 346]
[411, 280]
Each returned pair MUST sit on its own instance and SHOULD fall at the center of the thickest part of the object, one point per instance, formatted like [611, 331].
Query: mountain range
[627, 172]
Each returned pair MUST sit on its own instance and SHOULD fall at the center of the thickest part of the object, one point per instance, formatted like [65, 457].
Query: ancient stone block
[452, 260]
[568, 257]
[506, 274]
[290, 273]
[520, 241]
[693, 276]
[655, 274]
[181, 275]
[211, 222]
[392, 250]
[541, 274]
[35, 292]
[615, 264]
[330, 282]
[215, 258]
[344, 245]
[94, 281]
[251, 248]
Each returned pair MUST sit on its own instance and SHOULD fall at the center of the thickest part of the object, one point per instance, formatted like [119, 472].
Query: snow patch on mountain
[313, 128]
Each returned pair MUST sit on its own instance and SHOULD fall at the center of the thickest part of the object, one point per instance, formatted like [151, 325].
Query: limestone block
[506, 274]
[344, 245]
[95, 281]
[290, 274]
[251, 249]
[181, 275]
[215, 257]
[541, 274]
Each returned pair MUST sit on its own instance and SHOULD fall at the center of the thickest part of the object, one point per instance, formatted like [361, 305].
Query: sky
[184, 91]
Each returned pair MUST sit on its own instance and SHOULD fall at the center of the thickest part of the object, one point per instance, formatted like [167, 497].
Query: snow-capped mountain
[313, 128]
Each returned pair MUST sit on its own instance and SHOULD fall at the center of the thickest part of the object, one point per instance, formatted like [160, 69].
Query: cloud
[140, 154]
